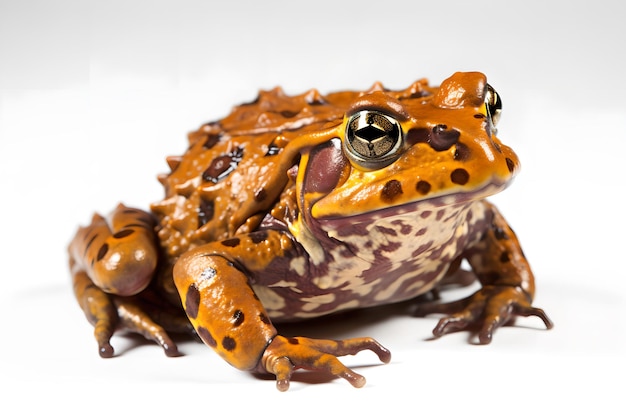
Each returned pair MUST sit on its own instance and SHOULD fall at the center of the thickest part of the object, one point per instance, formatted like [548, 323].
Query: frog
[295, 207]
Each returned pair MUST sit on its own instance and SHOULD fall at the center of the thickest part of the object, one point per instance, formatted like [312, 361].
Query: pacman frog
[294, 207]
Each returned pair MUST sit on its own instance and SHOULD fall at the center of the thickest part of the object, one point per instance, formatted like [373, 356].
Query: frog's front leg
[111, 261]
[228, 316]
[508, 285]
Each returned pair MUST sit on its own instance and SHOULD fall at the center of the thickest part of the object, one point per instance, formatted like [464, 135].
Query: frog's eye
[373, 139]
[494, 104]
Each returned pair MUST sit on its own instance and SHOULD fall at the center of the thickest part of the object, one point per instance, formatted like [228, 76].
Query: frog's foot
[113, 261]
[110, 314]
[98, 309]
[134, 320]
[486, 310]
[284, 355]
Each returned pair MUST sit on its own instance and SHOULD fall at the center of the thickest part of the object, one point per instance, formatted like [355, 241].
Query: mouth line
[427, 204]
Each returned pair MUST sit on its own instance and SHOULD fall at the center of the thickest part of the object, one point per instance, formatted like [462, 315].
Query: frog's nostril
[510, 165]
[442, 138]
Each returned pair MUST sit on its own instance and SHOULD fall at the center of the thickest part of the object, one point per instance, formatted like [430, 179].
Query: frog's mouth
[416, 208]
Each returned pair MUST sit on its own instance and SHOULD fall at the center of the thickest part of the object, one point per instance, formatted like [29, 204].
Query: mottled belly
[379, 262]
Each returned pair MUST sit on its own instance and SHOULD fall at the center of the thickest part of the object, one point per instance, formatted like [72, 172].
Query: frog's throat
[303, 234]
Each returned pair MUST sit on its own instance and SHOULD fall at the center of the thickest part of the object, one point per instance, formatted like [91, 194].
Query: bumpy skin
[299, 207]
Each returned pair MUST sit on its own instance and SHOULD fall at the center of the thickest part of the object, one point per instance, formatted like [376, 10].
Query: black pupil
[376, 138]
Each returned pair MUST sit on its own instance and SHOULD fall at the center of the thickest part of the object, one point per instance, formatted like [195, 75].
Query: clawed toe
[284, 355]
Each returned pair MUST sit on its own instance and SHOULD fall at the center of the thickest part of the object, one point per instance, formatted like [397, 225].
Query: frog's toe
[171, 350]
[105, 350]
[284, 355]
[450, 325]
[283, 369]
[527, 311]
[133, 319]
[485, 311]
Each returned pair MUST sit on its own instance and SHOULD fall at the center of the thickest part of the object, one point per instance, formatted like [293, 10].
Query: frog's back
[234, 170]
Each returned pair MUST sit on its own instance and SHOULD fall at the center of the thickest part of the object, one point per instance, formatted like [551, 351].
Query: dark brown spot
[417, 135]
[405, 229]
[260, 195]
[505, 257]
[479, 116]
[391, 190]
[232, 242]
[264, 319]
[289, 114]
[206, 336]
[500, 233]
[102, 251]
[442, 138]
[461, 152]
[229, 343]
[223, 165]
[293, 341]
[211, 140]
[258, 237]
[123, 233]
[510, 164]
[192, 301]
[218, 169]
[423, 187]
[459, 176]
[238, 318]
[386, 230]
[206, 211]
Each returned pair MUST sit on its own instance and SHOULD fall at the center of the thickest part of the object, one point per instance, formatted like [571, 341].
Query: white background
[94, 95]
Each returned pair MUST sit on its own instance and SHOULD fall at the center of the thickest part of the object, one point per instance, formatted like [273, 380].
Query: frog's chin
[434, 203]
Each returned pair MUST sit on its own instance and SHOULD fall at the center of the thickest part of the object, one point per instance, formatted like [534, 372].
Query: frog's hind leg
[112, 261]
[118, 253]
[98, 309]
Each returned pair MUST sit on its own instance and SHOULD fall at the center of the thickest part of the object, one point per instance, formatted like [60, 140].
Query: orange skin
[303, 206]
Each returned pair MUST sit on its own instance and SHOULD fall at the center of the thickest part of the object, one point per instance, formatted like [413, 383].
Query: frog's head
[396, 149]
